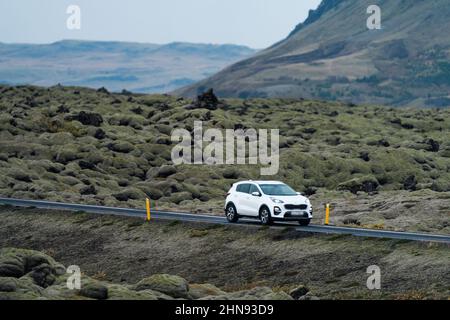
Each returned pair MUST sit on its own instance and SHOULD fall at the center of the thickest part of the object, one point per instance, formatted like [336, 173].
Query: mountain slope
[115, 65]
[333, 55]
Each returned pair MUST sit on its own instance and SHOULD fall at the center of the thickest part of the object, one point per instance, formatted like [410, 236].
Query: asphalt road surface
[164, 215]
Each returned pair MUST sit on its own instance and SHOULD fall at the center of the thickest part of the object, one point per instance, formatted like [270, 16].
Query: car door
[241, 200]
[250, 203]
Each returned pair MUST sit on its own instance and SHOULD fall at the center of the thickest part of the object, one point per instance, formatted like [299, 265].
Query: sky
[254, 23]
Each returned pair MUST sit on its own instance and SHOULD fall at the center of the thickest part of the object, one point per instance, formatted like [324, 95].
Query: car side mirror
[299, 193]
[256, 194]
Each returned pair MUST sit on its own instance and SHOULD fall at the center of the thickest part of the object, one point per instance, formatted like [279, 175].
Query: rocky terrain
[28, 274]
[334, 56]
[128, 258]
[379, 167]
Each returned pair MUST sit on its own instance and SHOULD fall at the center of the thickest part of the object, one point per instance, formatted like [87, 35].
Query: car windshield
[277, 190]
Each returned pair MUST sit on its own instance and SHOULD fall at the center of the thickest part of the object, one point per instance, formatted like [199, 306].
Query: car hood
[292, 200]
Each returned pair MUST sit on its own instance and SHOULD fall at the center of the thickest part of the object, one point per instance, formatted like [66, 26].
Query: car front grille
[297, 216]
[296, 207]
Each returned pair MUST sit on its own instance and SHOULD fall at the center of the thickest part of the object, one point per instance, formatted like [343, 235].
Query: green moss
[321, 150]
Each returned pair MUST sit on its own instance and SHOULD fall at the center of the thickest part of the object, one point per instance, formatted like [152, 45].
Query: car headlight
[275, 200]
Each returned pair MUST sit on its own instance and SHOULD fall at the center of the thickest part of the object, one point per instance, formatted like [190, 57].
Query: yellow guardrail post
[327, 214]
[147, 205]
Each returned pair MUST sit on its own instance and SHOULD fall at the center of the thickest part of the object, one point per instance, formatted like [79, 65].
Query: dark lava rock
[95, 291]
[364, 156]
[207, 100]
[88, 190]
[309, 191]
[55, 169]
[128, 194]
[92, 119]
[166, 171]
[88, 119]
[8, 285]
[164, 141]
[11, 269]
[86, 165]
[100, 134]
[410, 183]
[366, 184]
[43, 275]
[35, 260]
[299, 292]
[352, 221]
[309, 130]
[31, 103]
[231, 173]
[369, 186]
[63, 109]
[333, 114]
[433, 145]
[137, 110]
[122, 147]
[103, 90]
[384, 143]
[407, 126]
[22, 176]
[122, 197]
[396, 121]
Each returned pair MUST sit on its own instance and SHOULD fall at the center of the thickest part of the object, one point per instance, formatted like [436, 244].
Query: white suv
[268, 201]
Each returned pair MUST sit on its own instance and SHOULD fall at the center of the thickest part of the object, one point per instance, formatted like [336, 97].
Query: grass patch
[374, 226]
[337, 237]
[410, 295]
[194, 233]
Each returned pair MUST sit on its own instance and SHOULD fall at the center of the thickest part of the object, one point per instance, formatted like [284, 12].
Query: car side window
[244, 188]
[253, 188]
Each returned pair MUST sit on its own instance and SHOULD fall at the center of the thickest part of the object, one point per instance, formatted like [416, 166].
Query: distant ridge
[137, 67]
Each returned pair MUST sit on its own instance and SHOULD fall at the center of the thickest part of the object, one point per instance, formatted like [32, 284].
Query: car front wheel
[231, 214]
[264, 216]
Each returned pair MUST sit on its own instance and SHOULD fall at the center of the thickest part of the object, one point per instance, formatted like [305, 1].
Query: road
[164, 215]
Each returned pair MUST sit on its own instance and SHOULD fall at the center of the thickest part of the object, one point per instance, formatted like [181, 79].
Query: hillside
[380, 167]
[333, 56]
[135, 67]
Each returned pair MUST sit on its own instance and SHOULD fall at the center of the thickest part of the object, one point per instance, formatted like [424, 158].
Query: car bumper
[297, 215]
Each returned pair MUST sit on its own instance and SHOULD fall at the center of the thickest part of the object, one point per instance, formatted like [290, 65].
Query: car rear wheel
[304, 223]
[231, 214]
[264, 216]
